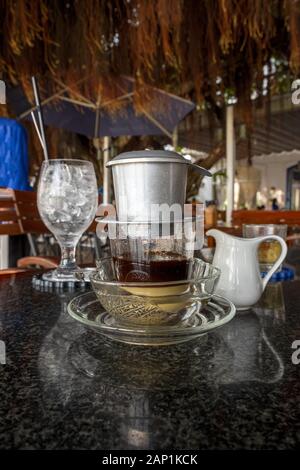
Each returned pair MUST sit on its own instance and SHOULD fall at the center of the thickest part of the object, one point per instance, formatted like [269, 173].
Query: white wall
[273, 168]
[273, 172]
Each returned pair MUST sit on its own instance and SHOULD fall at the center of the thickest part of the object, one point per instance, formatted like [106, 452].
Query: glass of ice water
[67, 201]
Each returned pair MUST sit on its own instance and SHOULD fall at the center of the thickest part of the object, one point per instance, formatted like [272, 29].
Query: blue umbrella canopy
[65, 109]
[107, 114]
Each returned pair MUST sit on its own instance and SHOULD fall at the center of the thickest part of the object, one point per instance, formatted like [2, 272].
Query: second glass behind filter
[269, 250]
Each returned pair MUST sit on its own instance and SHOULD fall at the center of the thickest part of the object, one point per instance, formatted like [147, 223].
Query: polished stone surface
[65, 387]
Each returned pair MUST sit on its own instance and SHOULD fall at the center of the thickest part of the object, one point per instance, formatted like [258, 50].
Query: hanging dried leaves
[214, 45]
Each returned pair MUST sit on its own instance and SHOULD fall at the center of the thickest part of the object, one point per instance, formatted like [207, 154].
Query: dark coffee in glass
[156, 267]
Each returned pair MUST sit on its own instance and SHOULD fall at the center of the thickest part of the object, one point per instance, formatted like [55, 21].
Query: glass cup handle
[280, 259]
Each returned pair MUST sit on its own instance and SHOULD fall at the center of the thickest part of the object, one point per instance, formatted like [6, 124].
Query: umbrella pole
[106, 171]
[175, 138]
[230, 162]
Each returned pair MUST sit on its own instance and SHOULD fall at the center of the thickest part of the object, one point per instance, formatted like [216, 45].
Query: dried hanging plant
[156, 41]
[205, 49]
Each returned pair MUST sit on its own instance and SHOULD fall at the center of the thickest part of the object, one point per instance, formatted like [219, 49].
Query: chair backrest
[265, 217]
[9, 219]
[11, 272]
[27, 211]
[41, 261]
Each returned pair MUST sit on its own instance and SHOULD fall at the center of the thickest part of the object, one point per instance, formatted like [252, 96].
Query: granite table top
[65, 387]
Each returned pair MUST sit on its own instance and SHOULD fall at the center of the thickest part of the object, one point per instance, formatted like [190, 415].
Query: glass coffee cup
[154, 251]
[152, 277]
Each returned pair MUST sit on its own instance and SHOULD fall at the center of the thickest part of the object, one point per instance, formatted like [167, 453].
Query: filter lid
[148, 156]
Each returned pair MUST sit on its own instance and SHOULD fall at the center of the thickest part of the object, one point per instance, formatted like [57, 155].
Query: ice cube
[57, 202]
[77, 174]
[75, 211]
[65, 173]
[81, 199]
[61, 217]
[70, 192]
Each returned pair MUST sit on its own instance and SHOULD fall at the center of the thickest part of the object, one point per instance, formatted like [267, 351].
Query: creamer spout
[216, 234]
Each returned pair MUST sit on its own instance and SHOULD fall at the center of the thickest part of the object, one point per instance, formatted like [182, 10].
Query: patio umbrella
[69, 110]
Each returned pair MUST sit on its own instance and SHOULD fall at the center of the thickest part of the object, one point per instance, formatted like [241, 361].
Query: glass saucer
[87, 309]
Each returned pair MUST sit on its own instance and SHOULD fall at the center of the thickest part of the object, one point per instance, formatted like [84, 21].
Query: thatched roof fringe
[221, 46]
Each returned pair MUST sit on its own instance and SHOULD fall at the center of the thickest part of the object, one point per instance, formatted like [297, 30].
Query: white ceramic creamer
[240, 279]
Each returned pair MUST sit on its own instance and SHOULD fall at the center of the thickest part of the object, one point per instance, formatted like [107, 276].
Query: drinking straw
[37, 129]
[41, 132]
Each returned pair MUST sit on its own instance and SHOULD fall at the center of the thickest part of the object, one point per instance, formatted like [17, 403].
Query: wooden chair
[9, 272]
[9, 219]
[38, 261]
[27, 211]
[19, 215]
[240, 217]
[290, 218]
[29, 217]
